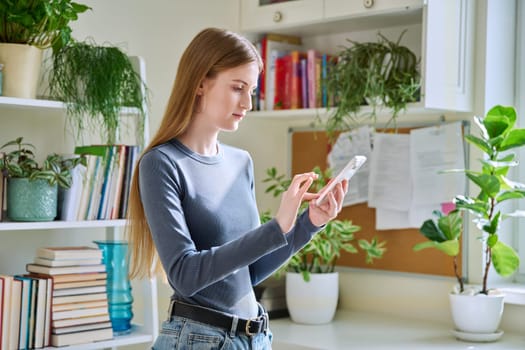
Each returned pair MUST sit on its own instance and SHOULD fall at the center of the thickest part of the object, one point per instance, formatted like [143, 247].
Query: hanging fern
[95, 82]
[381, 73]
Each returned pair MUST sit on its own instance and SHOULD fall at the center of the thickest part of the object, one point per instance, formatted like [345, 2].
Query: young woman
[192, 204]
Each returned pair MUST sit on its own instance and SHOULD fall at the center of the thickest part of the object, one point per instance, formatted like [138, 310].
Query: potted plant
[32, 189]
[28, 27]
[312, 268]
[498, 135]
[97, 81]
[381, 74]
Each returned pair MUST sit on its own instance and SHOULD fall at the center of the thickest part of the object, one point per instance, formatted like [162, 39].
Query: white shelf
[49, 225]
[26, 103]
[411, 115]
[137, 336]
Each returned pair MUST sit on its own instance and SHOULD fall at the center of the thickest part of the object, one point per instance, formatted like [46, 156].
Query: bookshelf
[54, 112]
[446, 60]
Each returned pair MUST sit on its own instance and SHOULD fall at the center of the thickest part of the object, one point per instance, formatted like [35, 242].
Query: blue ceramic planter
[34, 200]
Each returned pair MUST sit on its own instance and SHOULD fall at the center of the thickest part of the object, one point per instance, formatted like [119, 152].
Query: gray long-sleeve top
[204, 221]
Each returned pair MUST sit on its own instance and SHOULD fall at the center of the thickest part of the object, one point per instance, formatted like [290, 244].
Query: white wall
[159, 30]
[160, 35]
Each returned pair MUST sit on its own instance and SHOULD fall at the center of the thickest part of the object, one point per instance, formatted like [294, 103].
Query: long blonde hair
[212, 51]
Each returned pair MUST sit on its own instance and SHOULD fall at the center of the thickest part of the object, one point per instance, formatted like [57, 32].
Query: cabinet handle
[277, 16]
[368, 3]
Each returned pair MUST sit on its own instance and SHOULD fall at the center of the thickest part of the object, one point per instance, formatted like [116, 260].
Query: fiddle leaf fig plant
[321, 253]
[498, 137]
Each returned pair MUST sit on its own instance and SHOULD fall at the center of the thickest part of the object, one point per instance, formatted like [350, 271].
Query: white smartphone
[348, 171]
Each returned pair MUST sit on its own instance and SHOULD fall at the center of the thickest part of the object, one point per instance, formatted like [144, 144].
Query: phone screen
[348, 171]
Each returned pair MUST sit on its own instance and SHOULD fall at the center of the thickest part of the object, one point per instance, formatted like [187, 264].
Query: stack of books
[79, 304]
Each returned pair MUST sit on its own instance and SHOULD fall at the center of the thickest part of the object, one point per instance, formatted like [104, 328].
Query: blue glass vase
[115, 257]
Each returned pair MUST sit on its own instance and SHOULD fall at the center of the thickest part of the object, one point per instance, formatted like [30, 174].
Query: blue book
[26, 320]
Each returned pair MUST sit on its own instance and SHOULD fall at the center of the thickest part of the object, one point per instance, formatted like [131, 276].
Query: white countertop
[359, 330]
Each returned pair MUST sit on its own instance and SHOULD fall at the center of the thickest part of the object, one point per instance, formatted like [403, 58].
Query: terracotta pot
[21, 71]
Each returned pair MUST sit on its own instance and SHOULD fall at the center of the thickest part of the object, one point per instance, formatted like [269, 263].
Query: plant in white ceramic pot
[312, 268]
[498, 135]
[26, 28]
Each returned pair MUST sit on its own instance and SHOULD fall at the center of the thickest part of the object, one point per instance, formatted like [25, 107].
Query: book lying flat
[62, 270]
[67, 314]
[78, 298]
[68, 322]
[89, 276]
[80, 305]
[73, 252]
[81, 337]
[66, 262]
[81, 328]
[78, 284]
[78, 291]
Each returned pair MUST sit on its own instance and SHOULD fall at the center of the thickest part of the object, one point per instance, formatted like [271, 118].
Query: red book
[283, 82]
[296, 79]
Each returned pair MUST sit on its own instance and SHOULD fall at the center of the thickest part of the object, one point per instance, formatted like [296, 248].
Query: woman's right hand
[291, 200]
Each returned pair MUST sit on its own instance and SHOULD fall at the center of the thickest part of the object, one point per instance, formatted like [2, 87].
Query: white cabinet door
[358, 8]
[448, 63]
[256, 16]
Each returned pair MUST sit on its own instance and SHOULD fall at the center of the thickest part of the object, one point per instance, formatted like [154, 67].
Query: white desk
[358, 330]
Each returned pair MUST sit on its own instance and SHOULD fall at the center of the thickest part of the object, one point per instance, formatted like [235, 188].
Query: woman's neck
[201, 144]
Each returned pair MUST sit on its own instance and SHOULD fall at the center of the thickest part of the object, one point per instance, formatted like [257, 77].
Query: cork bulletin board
[309, 148]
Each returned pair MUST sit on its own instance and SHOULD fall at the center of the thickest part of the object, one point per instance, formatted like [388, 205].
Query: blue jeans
[180, 333]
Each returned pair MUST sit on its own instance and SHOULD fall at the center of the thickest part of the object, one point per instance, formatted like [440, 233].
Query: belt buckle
[257, 319]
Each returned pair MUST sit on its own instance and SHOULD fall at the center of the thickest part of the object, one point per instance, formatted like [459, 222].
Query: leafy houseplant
[498, 135]
[20, 163]
[32, 189]
[40, 23]
[312, 267]
[96, 81]
[321, 253]
[382, 73]
[473, 310]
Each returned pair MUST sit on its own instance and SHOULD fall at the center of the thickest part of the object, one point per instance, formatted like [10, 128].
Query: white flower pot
[478, 313]
[312, 302]
[21, 71]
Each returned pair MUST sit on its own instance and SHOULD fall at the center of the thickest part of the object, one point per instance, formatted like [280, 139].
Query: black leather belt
[214, 318]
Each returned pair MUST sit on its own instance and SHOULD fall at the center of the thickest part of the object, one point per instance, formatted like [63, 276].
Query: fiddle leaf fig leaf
[499, 119]
[510, 195]
[492, 240]
[515, 138]
[451, 225]
[488, 183]
[430, 230]
[492, 227]
[478, 142]
[451, 248]
[504, 259]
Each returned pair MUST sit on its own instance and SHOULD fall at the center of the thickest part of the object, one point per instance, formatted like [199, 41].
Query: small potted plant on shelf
[478, 309]
[28, 27]
[32, 189]
[381, 74]
[97, 81]
[312, 268]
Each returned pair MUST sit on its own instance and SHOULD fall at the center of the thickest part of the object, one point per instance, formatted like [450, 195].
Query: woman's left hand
[329, 208]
